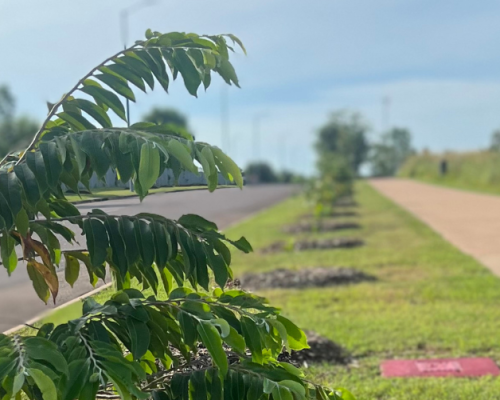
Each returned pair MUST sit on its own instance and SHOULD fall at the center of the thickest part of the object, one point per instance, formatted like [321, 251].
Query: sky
[436, 60]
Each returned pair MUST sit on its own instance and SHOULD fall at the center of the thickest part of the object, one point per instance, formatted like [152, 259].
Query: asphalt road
[18, 301]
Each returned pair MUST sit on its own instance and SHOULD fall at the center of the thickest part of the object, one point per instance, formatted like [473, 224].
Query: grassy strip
[114, 193]
[476, 171]
[430, 300]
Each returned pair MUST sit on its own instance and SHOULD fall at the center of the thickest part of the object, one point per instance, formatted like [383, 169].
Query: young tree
[495, 141]
[133, 346]
[166, 116]
[391, 152]
[344, 135]
[15, 132]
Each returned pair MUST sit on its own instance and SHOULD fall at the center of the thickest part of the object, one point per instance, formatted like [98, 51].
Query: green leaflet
[44, 383]
[76, 121]
[188, 327]
[229, 166]
[119, 85]
[72, 269]
[137, 66]
[80, 156]
[91, 143]
[29, 182]
[53, 166]
[139, 337]
[127, 230]
[94, 111]
[211, 339]
[7, 249]
[97, 240]
[78, 376]
[193, 221]
[281, 393]
[236, 341]
[252, 338]
[149, 166]
[180, 152]
[297, 339]
[103, 96]
[145, 240]
[298, 389]
[117, 246]
[10, 187]
[197, 386]
[188, 70]
[125, 73]
[36, 164]
[213, 178]
[41, 349]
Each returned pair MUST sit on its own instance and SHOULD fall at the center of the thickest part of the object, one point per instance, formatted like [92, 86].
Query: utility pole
[124, 30]
[386, 113]
[257, 118]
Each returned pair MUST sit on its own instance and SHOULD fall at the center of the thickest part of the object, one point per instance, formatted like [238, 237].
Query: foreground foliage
[134, 347]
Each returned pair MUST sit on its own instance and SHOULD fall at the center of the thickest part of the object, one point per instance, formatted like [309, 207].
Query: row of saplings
[336, 213]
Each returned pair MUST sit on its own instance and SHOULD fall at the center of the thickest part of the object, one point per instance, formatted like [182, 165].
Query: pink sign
[458, 367]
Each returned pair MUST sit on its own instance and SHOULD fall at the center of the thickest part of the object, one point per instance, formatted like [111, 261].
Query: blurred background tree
[163, 115]
[260, 172]
[495, 141]
[15, 131]
[394, 148]
[344, 135]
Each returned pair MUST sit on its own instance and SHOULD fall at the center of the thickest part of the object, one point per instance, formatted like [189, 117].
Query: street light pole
[257, 118]
[124, 28]
[386, 108]
[256, 137]
[224, 118]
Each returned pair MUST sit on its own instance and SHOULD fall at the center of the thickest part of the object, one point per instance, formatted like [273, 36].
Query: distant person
[443, 167]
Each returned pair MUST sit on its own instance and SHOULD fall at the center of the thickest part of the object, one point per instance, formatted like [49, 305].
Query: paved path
[18, 301]
[470, 221]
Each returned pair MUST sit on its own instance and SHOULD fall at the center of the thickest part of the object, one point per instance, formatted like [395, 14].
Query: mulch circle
[347, 202]
[333, 243]
[314, 244]
[303, 278]
[321, 350]
[320, 226]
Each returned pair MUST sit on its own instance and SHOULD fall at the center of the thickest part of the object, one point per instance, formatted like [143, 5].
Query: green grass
[114, 193]
[430, 300]
[477, 171]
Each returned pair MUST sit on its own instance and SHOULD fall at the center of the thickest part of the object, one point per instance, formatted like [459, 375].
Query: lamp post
[257, 118]
[124, 28]
[224, 118]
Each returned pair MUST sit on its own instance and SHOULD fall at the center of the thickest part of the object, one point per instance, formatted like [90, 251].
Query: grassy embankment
[476, 171]
[430, 300]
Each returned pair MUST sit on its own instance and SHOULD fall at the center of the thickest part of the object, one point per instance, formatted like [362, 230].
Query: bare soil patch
[303, 278]
[320, 244]
[320, 226]
[322, 350]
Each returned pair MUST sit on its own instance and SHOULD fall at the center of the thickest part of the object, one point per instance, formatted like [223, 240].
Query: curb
[99, 199]
[48, 312]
